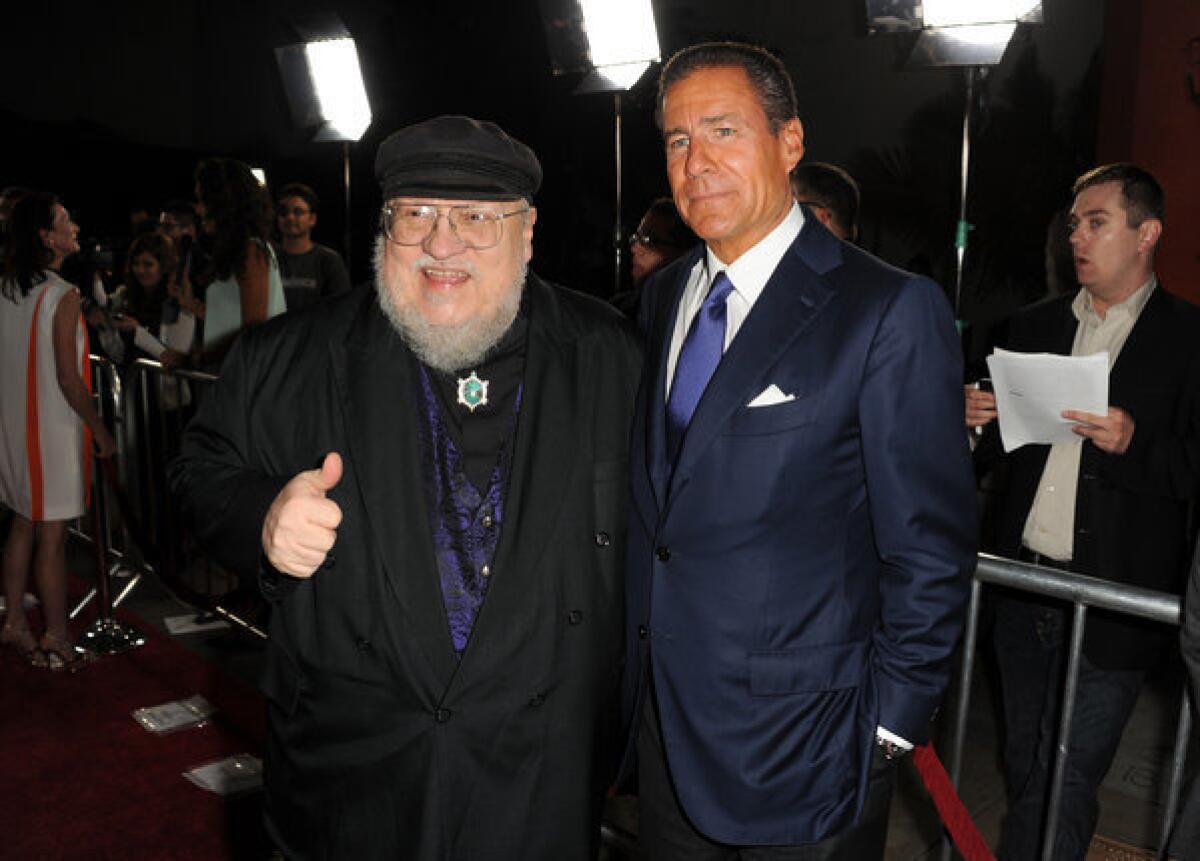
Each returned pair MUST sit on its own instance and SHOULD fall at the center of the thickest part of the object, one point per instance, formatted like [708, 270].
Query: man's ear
[1149, 232]
[791, 137]
[528, 220]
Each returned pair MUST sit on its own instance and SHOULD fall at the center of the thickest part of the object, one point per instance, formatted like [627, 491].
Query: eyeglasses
[476, 227]
[292, 210]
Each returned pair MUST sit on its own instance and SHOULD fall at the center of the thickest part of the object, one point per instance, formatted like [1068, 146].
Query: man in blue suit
[803, 525]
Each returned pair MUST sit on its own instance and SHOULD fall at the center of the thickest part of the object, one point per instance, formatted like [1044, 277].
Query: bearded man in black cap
[434, 502]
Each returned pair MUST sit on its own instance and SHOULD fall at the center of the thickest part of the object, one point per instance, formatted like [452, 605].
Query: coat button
[643, 632]
[441, 715]
[362, 644]
[485, 571]
[663, 553]
[603, 539]
[537, 699]
[575, 617]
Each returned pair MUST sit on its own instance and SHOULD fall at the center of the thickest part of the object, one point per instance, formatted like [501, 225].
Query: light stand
[323, 81]
[613, 42]
[972, 34]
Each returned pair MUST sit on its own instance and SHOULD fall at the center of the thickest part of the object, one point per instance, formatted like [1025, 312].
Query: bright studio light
[956, 13]
[982, 35]
[259, 174]
[338, 82]
[622, 38]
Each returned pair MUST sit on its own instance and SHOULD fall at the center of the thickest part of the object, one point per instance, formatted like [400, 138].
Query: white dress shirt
[1050, 526]
[749, 275]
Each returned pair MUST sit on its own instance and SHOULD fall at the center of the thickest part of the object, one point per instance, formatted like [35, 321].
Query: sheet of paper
[175, 715]
[1033, 389]
[229, 776]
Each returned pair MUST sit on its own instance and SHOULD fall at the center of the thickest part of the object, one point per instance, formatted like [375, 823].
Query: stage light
[260, 175]
[959, 13]
[338, 82]
[622, 39]
[981, 35]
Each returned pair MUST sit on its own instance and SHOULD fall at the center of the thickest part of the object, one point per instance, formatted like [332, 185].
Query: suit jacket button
[603, 539]
[363, 644]
[575, 617]
[537, 699]
[663, 553]
[643, 632]
[441, 715]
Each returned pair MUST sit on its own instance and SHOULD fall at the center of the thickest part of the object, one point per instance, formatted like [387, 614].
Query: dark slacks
[1031, 641]
[666, 834]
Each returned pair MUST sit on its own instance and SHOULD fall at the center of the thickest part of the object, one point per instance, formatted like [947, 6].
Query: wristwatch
[891, 751]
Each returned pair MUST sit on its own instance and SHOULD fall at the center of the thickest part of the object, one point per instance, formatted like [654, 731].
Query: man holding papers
[1113, 503]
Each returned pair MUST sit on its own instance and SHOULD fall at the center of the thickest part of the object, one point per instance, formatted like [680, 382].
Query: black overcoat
[381, 744]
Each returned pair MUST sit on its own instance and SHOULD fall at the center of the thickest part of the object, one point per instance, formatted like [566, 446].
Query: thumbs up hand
[301, 524]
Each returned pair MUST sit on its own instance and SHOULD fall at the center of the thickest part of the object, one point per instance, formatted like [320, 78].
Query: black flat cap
[456, 158]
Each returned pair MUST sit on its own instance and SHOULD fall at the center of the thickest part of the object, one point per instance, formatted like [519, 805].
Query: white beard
[447, 348]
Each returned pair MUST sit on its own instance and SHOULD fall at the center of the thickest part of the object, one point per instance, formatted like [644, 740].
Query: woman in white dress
[47, 421]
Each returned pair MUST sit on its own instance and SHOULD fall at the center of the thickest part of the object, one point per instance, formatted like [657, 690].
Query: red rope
[954, 813]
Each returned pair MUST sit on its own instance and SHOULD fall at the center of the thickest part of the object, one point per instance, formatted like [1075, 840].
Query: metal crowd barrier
[147, 408]
[1083, 593]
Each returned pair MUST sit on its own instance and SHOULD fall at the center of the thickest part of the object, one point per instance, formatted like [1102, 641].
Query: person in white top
[47, 418]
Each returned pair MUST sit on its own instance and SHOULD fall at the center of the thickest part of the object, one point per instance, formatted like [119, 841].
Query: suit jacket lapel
[672, 288]
[1142, 341]
[543, 463]
[792, 297]
[374, 371]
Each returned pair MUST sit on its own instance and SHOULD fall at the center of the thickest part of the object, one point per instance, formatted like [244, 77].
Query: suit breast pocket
[777, 418]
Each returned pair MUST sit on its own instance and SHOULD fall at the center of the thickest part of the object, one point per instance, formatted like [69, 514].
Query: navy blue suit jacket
[799, 577]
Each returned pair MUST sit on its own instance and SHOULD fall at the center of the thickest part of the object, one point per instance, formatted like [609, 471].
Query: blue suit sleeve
[920, 488]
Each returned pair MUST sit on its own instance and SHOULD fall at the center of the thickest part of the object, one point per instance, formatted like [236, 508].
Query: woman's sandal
[22, 641]
[61, 654]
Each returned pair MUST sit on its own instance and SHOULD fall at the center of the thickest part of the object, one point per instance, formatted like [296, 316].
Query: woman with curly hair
[236, 210]
[47, 421]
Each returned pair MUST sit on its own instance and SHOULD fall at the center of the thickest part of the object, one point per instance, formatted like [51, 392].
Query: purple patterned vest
[465, 524]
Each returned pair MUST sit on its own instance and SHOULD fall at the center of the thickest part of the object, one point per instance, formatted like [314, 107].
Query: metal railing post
[1083, 592]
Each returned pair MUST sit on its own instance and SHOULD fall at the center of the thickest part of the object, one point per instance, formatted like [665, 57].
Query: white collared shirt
[1050, 525]
[749, 275]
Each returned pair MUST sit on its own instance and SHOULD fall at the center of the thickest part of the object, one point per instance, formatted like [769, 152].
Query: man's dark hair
[181, 209]
[300, 190]
[766, 72]
[829, 186]
[666, 229]
[1140, 192]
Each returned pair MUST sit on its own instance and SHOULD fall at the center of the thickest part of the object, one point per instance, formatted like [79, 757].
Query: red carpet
[80, 779]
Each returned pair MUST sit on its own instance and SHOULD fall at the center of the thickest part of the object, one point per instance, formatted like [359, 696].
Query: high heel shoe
[22, 641]
[61, 654]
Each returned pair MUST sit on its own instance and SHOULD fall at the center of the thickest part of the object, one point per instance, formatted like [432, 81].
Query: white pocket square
[770, 396]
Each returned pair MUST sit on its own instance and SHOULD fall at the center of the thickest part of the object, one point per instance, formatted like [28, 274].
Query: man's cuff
[273, 583]
[884, 735]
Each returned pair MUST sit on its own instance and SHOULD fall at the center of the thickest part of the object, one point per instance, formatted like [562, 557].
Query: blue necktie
[698, 359]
